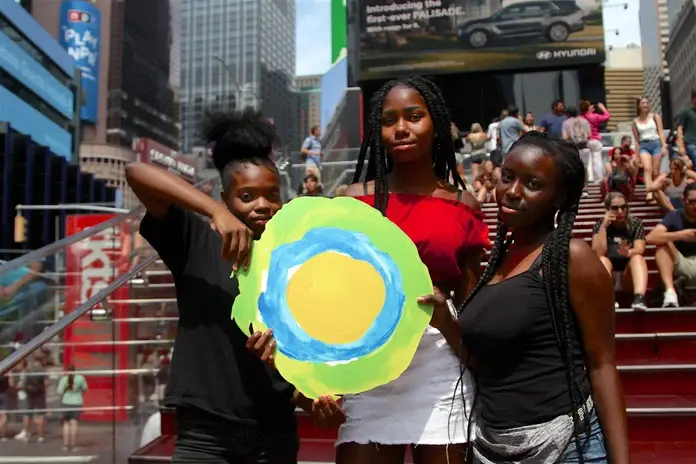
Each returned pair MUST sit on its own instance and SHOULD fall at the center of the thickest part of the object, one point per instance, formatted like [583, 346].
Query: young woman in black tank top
[538, 329]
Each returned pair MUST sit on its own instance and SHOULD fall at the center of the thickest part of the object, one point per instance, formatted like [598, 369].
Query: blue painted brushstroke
[292, 340]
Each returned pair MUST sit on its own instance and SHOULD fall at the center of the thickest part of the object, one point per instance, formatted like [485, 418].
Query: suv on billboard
[552, 20]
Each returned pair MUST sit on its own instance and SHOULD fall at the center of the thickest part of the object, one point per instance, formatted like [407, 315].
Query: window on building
[33, 100]
[43, 59]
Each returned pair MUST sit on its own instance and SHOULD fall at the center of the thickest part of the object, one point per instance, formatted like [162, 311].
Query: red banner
[92, 264]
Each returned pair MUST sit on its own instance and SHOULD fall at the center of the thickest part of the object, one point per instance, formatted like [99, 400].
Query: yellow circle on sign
[324, 295]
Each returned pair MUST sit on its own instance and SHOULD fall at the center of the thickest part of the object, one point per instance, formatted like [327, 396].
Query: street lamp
[239, 90]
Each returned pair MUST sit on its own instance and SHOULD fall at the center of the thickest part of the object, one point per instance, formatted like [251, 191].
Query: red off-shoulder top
[443, 231]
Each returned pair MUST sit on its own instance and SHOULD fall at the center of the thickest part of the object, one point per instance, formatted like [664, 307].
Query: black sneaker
[639, 303]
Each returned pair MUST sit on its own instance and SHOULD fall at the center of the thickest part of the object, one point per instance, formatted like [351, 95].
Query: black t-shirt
[676, 221]
[632, 231]
[211, 369]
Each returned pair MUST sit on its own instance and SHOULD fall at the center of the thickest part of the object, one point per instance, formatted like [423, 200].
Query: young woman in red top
[410, 156]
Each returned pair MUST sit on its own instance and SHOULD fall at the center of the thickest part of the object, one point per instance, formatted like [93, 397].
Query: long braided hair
[379, 163]
[554, 266]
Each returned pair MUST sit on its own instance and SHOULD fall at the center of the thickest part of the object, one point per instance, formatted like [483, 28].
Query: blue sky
[625, 21]
[313, 35]
[314, 31]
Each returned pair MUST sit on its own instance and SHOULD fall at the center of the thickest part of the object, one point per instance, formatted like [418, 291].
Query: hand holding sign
[338, 284]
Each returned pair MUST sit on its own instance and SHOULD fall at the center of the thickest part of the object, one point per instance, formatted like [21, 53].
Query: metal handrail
[70, 409]
[49, 332]
[148, 342]
[55, 247]
[48, 372]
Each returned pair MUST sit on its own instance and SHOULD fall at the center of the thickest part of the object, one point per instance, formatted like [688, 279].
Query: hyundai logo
[543, 55]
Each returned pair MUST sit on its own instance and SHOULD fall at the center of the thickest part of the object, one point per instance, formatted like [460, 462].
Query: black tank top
[521, 374]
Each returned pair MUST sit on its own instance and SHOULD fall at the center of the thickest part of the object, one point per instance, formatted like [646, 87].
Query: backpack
[578, 133]
[33, 384]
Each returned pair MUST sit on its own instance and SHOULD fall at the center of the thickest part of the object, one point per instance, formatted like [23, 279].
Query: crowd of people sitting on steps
[618, 237]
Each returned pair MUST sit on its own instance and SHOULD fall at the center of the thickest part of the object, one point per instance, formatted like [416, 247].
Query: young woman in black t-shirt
[230, 407]
[619, 240]
[538, 329]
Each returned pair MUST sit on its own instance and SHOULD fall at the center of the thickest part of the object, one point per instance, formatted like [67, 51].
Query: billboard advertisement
[150, 151]
[25, 69]
[92, 264]
[80, 31]
[25, 119]
[333, 87]
[399, 37]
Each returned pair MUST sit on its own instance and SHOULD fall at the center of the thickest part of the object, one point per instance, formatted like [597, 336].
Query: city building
[132, 94]
[135, 98]
[308, 92]
[237, 53]
[175, 61]
[654, 33]
[681, 54]
[624, 84]
[175, 48]
[673, 9]
[39, 131]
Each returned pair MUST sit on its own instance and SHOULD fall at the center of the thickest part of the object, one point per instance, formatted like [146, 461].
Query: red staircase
[656, 354]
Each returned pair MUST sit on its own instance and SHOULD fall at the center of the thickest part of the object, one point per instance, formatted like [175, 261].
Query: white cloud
[313, 36]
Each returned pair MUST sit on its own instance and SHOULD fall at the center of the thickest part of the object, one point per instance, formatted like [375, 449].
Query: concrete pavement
[97, 444]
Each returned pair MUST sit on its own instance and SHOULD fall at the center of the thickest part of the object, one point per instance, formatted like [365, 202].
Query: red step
[663, 453]
[662, 348]
[168, 421]
[660, 429]
[656, 320]
[322, 452]
[661, 418]
[158, 451]
[658, 379]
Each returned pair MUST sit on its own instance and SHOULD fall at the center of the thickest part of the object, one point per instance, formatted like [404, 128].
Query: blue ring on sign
[292, 340]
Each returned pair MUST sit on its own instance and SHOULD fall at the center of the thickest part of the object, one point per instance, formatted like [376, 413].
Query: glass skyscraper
[237, 53]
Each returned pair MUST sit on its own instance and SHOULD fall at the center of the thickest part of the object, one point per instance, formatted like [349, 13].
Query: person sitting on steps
[619, 240]
[675, 238]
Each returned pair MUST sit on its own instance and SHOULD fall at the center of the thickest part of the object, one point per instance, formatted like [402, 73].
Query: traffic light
[20, 228]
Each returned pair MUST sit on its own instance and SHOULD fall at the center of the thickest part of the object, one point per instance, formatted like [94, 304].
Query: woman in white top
[650, 140]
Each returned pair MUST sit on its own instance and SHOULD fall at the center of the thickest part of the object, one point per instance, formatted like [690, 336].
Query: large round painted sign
[338, 283]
